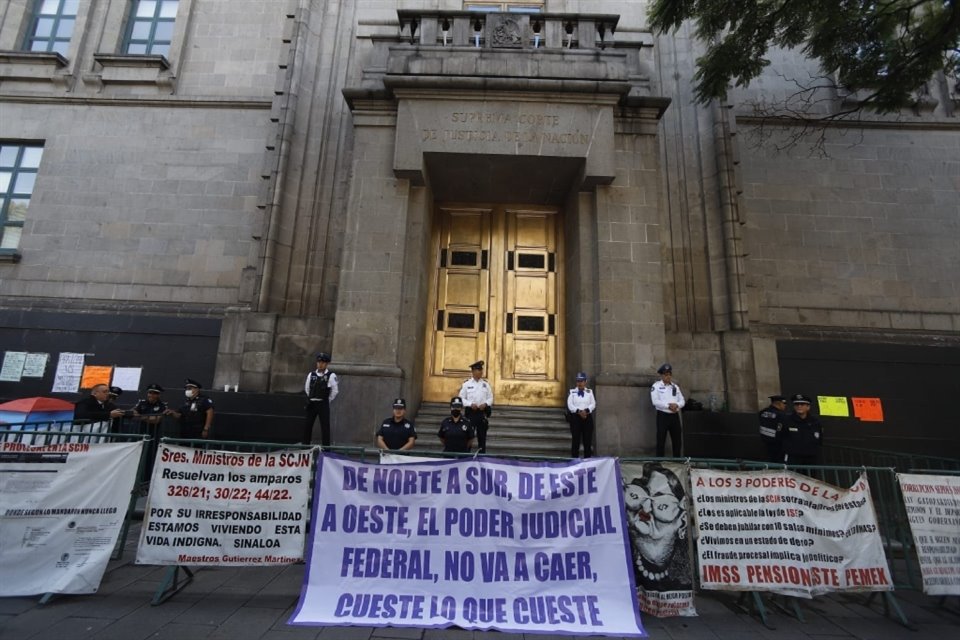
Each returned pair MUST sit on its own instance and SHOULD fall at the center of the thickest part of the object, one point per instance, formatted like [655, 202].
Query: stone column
[370, 293]
[630, 328]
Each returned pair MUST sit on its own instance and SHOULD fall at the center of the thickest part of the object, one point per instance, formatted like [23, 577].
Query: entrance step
[522, 431]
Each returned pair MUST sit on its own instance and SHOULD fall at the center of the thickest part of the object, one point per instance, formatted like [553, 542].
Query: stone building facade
[233, 185]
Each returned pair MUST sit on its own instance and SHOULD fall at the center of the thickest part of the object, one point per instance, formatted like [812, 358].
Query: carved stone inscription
[519, 126]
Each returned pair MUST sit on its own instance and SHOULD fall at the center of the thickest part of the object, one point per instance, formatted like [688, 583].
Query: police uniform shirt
[332, 385]
[456, 434]
[144, 408]
[661, 395]
[802, 437]
[194, 411]
[395, 434]
[771, 421]
[476, 392]
[577, 400]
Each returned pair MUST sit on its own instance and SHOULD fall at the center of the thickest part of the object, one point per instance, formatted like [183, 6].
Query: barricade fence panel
[82, 433]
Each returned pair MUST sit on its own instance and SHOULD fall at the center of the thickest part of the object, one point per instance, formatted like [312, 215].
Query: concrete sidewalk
[255, 603]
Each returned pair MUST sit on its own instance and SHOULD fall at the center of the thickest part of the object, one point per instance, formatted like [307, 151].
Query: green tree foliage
[887, 48]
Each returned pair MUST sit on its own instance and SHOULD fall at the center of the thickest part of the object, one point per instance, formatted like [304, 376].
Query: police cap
[399, 403]
[581, 376]
[323, 356]
[777, 398]
[799, 398]
[477, 365]
[154, 388]
[665, 368]
[190, 382]
[116, 391]
[456, 403]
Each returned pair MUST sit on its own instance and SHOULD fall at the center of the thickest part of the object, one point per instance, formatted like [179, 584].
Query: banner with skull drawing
[656, 499]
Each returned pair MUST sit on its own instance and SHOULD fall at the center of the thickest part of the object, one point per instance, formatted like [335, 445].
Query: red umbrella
[37, 409]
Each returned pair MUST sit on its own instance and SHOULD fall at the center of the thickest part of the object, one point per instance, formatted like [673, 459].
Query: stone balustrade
[507, 30]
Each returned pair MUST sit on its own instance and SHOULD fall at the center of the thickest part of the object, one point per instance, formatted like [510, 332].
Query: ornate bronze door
[495, 295]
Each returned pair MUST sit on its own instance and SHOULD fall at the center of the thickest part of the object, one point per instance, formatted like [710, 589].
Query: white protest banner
[69, 369]
[786, 533]
[226, 508]
[35, 365]
[657, 508]
[933, 508]
[12, 368]
[61, 510]
[474, 543]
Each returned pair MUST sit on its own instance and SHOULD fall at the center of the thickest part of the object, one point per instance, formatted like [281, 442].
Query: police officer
[151, 409]
[149, 413]
[802, 435]
[397, 432]
[456, 432]
[580, 407]
[196, 414]
[477, 399]
[321, 388]
[667, 399]
[771, 424]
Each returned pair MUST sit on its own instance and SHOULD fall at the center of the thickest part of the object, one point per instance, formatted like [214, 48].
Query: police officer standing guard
[802, 434]
[477, 399]
[771, 424]
[580, 407]
[667, 399]
[196, 414]
[321, 389]
[456, 433]
[396, 432]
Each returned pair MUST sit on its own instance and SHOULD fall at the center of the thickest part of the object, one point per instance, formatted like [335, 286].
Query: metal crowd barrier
[901, 462]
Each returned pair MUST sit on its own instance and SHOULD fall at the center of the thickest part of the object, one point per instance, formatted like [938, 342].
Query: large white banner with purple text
[787, 533]
[473, 543]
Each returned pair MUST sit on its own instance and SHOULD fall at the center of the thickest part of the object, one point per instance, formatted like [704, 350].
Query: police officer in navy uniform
[580, 407]
[196, 414]
[802, 434]
[321, 387]
[397, 432]
[456, 432]
[771, 425]
[150, 410]
[668, 400]
[477, 399]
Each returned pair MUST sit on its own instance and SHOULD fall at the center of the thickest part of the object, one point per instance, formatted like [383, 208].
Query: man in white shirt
[667, 399]
[477, 399]
[321, 388]
[580, 407]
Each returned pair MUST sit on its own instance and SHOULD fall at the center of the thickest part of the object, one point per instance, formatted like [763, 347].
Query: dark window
[463, 259]
[530, 261]
[460, 321]
[530, 323]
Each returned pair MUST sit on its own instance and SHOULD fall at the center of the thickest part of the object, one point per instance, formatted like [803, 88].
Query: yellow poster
[833, 406]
